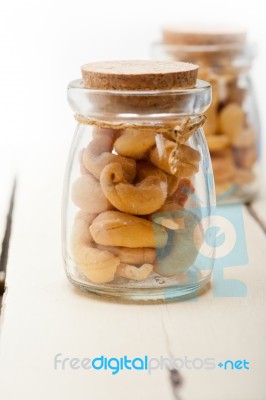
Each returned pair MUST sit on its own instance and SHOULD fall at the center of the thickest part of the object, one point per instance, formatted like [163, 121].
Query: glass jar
[139, 193]
[232, 128]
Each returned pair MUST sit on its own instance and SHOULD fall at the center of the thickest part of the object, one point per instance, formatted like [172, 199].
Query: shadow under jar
[139, 191]
[232, 128]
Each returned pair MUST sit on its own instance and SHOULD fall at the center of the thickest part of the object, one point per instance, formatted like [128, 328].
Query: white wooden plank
[6, 185]
[44, 315]
[6, 188]
[258, 206]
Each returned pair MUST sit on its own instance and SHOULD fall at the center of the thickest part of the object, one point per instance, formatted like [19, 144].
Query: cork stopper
[139, 75]
[204, 36]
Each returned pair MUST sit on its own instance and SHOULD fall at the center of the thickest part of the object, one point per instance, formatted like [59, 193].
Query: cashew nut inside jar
[139, 191]
[232, 129]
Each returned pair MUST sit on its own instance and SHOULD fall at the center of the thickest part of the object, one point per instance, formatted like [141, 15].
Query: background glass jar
[232, 128]
[139, 193]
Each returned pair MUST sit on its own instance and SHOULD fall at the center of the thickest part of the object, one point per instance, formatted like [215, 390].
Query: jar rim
[201, 86]
[138, 105]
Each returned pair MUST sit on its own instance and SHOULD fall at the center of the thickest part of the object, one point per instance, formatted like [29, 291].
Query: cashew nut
[188, 159]
[135, 256]
[145, 169]
[113, 228]
[83, 170]
[174, 203]
[231, 120]
[182, 248]
[135, 142]
[143, 198]
[135, 273]
[97, 265]
[87, 194]
[184, 190]
[217, 142]
[99, 132]
[99, 153]
[243, 176]
[223, 166]
[172, 182]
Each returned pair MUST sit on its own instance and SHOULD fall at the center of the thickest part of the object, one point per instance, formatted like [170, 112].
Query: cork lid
[203, 35]
[139, 75]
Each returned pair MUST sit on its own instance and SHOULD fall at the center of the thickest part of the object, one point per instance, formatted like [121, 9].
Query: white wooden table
[7, 190]
[44, 315]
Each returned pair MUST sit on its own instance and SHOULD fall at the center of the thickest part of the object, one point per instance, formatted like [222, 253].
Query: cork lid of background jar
[209, 46]
[138, 86]
[203, 35]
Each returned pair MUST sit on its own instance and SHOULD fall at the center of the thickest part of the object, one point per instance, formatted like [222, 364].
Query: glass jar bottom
[156, 287]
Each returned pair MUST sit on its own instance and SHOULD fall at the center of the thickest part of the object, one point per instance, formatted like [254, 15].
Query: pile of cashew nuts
[125, 178]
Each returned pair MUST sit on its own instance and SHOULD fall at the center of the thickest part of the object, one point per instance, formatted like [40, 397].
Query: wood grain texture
[6, 208]
[258, 207]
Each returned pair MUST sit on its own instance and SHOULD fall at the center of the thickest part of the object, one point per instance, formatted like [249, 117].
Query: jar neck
[220, 59]
[138, 106]
[180, 128]
[207, 71]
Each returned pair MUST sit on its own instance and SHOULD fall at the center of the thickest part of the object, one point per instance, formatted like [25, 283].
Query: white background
[43, 44]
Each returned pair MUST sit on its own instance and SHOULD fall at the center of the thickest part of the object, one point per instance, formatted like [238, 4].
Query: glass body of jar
[232, 128]
[139, 193]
